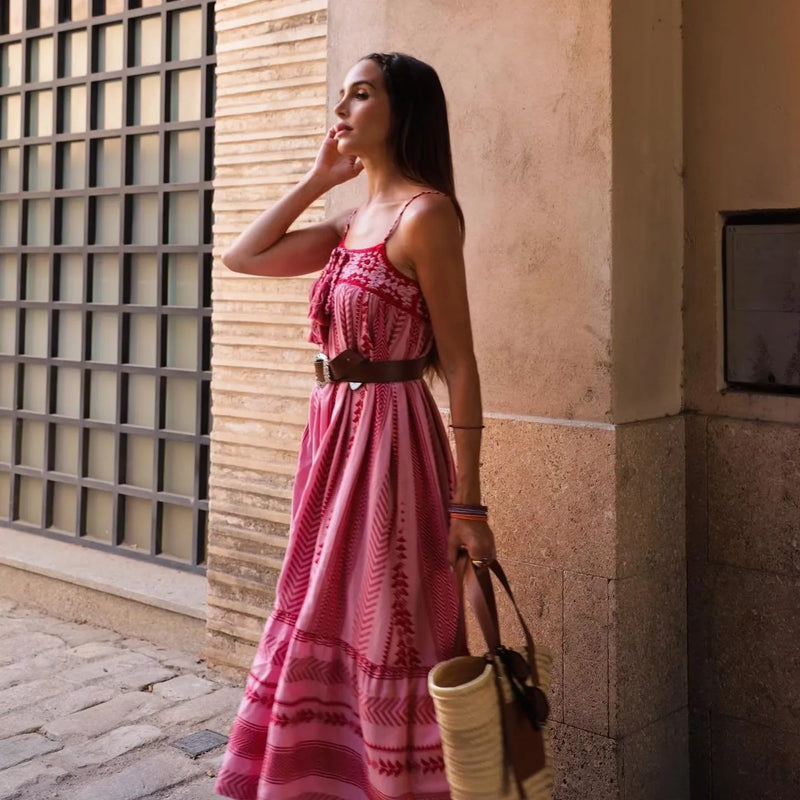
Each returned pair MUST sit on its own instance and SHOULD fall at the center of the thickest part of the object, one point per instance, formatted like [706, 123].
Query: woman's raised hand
[331, 166]
[265, 247]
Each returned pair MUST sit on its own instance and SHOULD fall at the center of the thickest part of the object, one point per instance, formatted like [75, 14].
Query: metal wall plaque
[762, 306]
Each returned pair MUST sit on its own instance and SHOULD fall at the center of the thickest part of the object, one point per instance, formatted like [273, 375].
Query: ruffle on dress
[320, 301]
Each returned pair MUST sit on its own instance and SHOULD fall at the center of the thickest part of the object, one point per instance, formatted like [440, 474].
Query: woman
[336, 705]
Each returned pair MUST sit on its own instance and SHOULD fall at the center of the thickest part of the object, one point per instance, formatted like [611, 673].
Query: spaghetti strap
[407, 204]
[347, 226]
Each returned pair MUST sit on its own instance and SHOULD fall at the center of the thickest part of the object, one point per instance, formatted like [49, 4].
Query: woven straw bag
[494, 750]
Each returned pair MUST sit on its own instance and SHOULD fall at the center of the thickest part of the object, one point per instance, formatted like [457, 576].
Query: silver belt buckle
[321, 358]
[326, 369]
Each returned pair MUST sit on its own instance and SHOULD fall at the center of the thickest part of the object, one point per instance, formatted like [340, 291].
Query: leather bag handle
[481, 598]
[523, 744]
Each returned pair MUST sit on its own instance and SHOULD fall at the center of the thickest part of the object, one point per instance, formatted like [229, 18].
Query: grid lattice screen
[105, 271]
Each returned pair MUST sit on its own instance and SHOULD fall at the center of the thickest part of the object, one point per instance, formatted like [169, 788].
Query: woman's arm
[431, 238]
[265, 248]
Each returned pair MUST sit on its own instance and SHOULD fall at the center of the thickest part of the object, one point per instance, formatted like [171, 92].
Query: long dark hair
[419, 135]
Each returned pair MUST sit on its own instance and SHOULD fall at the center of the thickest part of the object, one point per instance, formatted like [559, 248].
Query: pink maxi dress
[336, 704]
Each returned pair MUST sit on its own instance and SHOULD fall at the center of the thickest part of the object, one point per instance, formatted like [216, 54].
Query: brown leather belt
[353, 367]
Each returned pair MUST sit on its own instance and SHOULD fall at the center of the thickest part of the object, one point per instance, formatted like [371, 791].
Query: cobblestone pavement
[87, 714]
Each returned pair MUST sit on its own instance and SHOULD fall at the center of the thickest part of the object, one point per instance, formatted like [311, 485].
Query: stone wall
[743, 467]
[743, 478]
[573, 251]
[270, 117]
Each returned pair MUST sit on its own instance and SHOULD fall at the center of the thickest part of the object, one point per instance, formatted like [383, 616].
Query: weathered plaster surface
[530, 115]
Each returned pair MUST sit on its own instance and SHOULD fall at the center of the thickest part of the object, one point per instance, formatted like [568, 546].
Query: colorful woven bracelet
[467, 508]
[470, 517]
[473, 513]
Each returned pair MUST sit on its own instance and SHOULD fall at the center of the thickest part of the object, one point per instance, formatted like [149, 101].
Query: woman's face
[363, 111]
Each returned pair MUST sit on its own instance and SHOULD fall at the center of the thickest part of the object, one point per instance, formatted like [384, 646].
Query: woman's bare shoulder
[431, 214]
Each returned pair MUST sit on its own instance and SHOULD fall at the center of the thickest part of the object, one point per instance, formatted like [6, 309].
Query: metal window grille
[106, 158]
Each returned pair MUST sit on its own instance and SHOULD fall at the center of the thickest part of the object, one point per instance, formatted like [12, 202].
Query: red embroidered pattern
[410, 710]
[317, 758]
[407, 655]
[349, 717]
[385, 766]
[369, 270]
[365, 665]
[334, 718]
[337, 705]
[372, 271]
[255, 695]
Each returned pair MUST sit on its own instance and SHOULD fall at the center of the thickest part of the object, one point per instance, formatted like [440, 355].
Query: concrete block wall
[744, 592]
[270, 117]
[590, 529]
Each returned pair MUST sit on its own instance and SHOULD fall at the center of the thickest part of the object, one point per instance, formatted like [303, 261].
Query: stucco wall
[743, 473]
[594, 548]
[742, 118]
[528, 88]
[647, 209]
